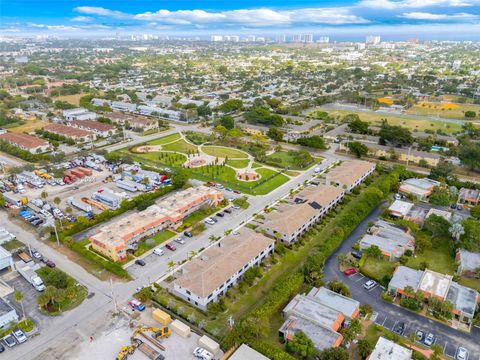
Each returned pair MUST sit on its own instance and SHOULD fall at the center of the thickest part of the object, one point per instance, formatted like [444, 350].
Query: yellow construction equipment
[94, 203]
[128, 350]
[159, 333]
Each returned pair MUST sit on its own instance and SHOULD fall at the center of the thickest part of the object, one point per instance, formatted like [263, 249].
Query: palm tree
[171, 265]
[43, 300]
[212, 238]
[44, 195]
[456, 230]
[19, 298]
[57, 200]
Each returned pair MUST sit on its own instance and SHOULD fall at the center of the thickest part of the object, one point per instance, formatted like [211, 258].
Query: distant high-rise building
[372, 40]
[251, 38]
[307, 38]
[216, 38]
[281, 38]
[235, 38]
[324, 40]
[260, 39]
[296, 38]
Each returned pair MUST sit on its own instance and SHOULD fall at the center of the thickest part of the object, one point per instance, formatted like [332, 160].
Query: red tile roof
[23, 140]
[92, 125]
[67, 131]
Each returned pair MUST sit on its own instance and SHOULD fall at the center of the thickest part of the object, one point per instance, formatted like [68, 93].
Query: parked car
[429, 340]
[19, 335]
[220, 214]
[228, 211]
[158, 251]
[462, 354]
[370, 284]
[9, 340]
[356, 254]
[171, 247]
[140, 262]
[36, 255]
[350, 271]
[399, 328]
[188, 234]
[180, 240]
[228, 189]
[202, 354]
[236, 192]
[420, 335]
[50, 264]
[236, 207]
[209, 221]
[136, 305]
[2, 349]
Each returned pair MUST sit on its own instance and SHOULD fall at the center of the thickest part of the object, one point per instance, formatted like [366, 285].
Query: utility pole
[56, 233]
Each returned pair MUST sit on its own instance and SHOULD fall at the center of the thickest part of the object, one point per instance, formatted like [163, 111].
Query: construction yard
[118, 333]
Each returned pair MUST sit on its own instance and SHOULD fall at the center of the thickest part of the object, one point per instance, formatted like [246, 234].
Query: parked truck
[130, 185]
[15, 199]
[79, 205]
[29, 274]
[24, 256]
[77, 173]
[87, 172]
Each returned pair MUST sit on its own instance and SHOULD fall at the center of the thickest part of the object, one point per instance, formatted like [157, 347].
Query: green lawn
[12, 245]
[377, 269]
[442, 110]
[471, 283]
[154, 241]
[439, 258]
[180, 146]
[238, 164]
[173, 159]
[256, 165]
[223, 152]
[284, 159]
[197, 216]
[165, 139]
[410, 123]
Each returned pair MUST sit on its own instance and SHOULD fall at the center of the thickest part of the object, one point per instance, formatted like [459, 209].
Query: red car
[350, 271]
[171, 247]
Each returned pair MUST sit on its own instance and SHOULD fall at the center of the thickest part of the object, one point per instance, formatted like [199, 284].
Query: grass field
[412, 124]
[439, 257]
[164, 157]
[72, 99]
[165, 139]
[451, 111]
[223, 152]
[285, 160]
[180, 146]
[29, 126]
[238, 164]
[376, 269]
[154, 241]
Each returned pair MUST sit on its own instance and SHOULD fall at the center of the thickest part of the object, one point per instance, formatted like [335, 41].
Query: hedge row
[329, 238]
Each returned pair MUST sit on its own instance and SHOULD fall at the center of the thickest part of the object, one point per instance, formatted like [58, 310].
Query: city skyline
[440, 19]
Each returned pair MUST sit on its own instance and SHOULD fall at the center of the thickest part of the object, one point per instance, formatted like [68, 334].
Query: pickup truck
[136, 305]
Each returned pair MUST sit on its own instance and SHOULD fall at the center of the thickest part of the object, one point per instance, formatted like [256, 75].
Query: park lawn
[256, 165]
[154, 241]
[377, 269]
[223, 152]
[238, 164]
[438, 258]
[180, 146]
[286, 160]
[165, 139]
[410, 123]
[167, 158]
[435, 109]
[271, 184]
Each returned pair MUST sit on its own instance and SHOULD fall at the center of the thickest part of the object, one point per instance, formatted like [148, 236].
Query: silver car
[19, 335]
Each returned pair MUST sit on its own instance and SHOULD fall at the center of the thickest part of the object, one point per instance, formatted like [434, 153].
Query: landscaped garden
[224, 152]
[165, 140]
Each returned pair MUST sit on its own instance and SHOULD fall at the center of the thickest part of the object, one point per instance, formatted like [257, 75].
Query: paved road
[389, 314]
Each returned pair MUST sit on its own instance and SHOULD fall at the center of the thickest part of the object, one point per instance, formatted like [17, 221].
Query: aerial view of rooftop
[240, 180]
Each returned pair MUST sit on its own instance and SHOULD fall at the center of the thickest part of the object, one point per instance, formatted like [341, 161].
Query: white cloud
[430, 16]
[262, 17]
[81, 19]
[414, 4]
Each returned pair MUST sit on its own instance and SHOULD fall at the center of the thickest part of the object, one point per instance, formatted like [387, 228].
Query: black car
[399, 328]
[220, 215]
[187, 234]
[2, 349]
[140, 262]
[228, 211]
[50, 264]
[357, 254]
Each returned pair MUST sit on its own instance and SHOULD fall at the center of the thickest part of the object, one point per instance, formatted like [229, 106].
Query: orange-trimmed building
[121, 235]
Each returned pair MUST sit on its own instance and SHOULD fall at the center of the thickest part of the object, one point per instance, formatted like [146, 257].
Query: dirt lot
[118, 333]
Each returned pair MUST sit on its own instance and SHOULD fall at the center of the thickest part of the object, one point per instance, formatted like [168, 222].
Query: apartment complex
[388, 350]
[26, 142]
[209, 276]
[70, 132]
[292, 219]
[320, 315]
[440, 286]
[469, 197]
[137, 123]
[98, 128]
[350, 174]
[121, 235]
[392, 240]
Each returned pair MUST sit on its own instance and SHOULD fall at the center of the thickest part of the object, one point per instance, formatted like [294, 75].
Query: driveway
[388, 315]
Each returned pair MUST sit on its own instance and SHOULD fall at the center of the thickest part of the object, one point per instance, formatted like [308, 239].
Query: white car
[370, 284]
[209, 221]
[429, 340]
[202, 354]
[36, 255]
[19, 335]
[462, 354]
[180, 241]
[158, 251]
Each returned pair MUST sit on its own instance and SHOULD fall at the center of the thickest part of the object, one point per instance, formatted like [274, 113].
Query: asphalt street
[388, 315]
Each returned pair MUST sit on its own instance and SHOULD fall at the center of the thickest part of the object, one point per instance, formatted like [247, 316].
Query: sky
[396, 19]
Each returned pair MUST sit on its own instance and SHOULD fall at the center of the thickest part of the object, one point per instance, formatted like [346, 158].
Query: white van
[158, 251]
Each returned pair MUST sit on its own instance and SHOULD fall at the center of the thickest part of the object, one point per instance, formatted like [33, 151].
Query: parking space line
[384, 321]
